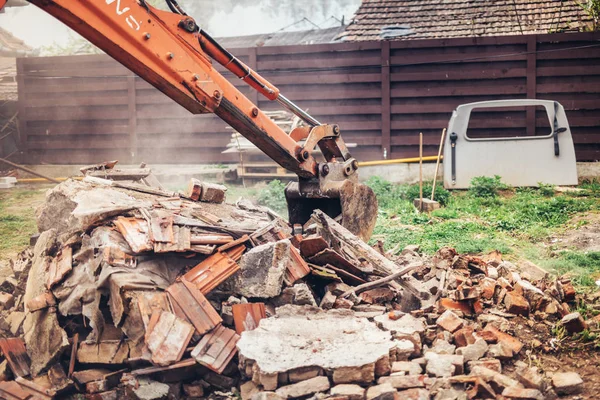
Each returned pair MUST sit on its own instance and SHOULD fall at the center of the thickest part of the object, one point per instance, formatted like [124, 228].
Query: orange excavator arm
[171, 52]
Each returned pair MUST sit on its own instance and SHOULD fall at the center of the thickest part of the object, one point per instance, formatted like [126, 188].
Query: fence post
[531, 82]
[386, 117]
[252, 63]
[21, 107]
[132, 125]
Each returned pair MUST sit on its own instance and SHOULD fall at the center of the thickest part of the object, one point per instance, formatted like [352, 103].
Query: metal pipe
[398, 161]
[297, 111]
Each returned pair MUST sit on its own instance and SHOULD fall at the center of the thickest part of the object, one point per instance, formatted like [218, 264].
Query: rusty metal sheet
[296, 269]
[247, 316]
[169, 338]
[161, 226]
[60, 266]
[216, 349]
[13, 391]
[211, 272]
[181, 241]
[310, 246]
[15, 353]
[194, 306]
[136, 233]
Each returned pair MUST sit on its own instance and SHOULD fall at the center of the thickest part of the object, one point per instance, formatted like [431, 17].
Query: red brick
[464, 336]
[516, 304]
[448, 304]
[514, 343]
[449, 321]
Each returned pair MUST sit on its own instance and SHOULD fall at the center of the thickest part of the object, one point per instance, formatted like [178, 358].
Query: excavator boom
[171, 52]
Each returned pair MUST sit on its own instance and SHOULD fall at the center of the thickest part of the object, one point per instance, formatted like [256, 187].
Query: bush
[487, 187]
[442, 195]
[273, 196]
[387, 193]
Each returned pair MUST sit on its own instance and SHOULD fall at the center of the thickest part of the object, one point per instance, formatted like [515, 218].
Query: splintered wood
[60, 267]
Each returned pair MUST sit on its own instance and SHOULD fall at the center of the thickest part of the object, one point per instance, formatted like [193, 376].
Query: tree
[592, 9]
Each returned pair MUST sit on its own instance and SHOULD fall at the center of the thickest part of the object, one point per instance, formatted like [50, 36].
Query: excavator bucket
[349, 202]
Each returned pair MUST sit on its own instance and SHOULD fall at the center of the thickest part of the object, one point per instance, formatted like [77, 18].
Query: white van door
[519, 160]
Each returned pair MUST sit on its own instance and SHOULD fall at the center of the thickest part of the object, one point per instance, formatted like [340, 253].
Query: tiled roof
[429, 19]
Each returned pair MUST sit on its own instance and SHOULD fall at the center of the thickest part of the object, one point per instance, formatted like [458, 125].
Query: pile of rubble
[132, 291]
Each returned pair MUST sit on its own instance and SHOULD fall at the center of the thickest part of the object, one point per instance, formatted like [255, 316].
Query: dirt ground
[584, 237]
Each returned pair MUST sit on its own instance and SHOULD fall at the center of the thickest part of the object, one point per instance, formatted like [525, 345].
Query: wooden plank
[531, 82]
[60, 267]
[132, 126]
[15, 353]
[22, 105]
[319, 63]
[252, 63]
[386, 118]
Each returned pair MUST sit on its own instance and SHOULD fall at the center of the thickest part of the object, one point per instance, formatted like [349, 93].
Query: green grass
[517, 223]
[17, 219]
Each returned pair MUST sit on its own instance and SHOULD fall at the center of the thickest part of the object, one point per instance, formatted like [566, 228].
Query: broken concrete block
[262, 269]
[567, 383]
[382, 392]
[522, 394]
[498, 381]
[213, 193]
[464, 336]
[516, 304]
[530, 377]
[573, 323]
[489, 363]
[304, 336]
[403, 350]
[328, 301]
[305, 388]
[409, 367]
[299, 295]
[382, 366]
[501, 351]
[403, 381]
[303, 374]
[449, 321]
[269, 381]
[474, 351]
[441, 346]
[443, 365]
[151, 390]
[351, 392]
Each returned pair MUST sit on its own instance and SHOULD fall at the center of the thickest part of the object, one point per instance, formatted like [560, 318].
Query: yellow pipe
[42, 180]
[398, 161]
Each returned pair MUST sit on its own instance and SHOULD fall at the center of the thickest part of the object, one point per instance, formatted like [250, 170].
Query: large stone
[262, 270]
[567, 383]
[304, 388]
[382, 392]
[414, 394]
[304, 336]
[45, 340]
[351, 392]
[406, 325]
[522, 394]
[573, 323]
[151, 390]
[404, 381]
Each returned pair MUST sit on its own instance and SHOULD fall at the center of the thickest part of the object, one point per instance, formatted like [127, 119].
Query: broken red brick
[449, 304]
[569, 291]
[464, 336]
[449, 321]
[573, 323]
[516, 304]
[514, 343]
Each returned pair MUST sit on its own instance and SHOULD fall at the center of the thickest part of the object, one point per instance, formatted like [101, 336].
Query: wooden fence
[84, 109]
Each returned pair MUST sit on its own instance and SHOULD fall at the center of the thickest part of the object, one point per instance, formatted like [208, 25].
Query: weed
[442, 195]
[486, 187]
[546, 189]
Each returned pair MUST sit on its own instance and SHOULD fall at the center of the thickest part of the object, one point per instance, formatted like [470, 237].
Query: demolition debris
[133, 291]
